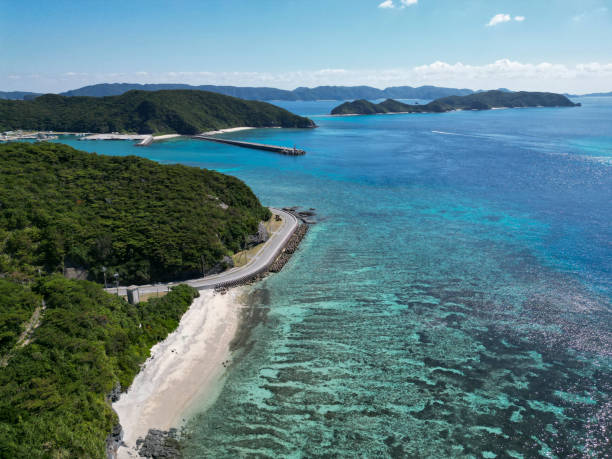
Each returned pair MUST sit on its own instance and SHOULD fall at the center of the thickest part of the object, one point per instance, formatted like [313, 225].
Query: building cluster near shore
[11, 136]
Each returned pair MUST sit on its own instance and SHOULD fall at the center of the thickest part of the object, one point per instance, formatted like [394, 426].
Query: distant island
[481, 101]
[426, 92]
[263, 93]
[19, 95]
[593, 94]
[161, 112]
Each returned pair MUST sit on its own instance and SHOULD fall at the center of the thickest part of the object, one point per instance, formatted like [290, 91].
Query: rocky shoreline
[290, 248]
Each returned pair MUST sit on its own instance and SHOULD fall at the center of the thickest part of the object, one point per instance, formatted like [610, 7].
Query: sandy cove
[184, 370]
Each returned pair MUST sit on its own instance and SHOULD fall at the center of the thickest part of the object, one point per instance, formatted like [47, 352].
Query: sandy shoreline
[184, 371]
[224, 131]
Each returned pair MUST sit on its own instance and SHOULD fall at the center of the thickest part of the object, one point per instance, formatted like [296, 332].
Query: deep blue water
[455, 298]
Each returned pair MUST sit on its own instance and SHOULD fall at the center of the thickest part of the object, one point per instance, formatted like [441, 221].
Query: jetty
[257, 146]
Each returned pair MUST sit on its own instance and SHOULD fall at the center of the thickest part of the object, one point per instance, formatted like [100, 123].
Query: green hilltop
[60, 207]
[161, 112]
[479, 101]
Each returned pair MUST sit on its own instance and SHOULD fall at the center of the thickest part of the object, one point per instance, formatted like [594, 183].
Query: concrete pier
[257, 146]
[145, 142]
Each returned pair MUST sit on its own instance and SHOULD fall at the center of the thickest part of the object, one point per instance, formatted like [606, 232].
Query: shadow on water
[254, 313]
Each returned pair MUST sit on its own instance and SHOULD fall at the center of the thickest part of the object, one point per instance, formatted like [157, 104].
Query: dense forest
[55, 387]
[67, 347]
[161, 112]
[62, 208]
[479, 101]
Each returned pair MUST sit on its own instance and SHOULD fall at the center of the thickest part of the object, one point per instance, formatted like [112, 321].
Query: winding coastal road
[260, 262]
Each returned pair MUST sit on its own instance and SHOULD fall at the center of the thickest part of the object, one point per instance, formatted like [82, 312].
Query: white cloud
[502, 17]
[590, 14]
[402, 3]
[498, 19]
[591, 77]
[74, 74]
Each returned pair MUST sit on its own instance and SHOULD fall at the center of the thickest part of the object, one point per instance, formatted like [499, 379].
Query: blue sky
[561, 45]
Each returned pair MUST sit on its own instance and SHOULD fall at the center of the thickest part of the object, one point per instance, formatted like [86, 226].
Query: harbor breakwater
[256, 146]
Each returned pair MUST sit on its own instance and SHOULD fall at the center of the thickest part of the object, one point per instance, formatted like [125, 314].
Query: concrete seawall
[276, 265]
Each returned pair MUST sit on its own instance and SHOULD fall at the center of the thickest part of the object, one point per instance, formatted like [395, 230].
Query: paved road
[262, 260]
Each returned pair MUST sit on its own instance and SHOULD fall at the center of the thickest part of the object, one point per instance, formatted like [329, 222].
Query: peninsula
[161, 112]
[68, 349]
[481, 101]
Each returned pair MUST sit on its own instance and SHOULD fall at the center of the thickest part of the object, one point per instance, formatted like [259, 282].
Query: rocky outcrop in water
[159, 444]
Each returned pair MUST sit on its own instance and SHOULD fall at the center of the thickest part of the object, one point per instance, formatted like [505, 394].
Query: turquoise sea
[454, 299]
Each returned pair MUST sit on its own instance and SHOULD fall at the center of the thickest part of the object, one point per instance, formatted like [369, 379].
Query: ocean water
[453, 300]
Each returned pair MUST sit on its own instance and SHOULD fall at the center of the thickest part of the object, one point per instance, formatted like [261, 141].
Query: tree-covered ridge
[54, 391]
[168, 111]
[479, 101]
[61, 208]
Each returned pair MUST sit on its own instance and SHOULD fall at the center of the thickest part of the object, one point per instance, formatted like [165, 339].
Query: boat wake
[452, 133]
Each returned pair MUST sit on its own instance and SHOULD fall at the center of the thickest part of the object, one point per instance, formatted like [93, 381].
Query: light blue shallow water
[453, 300]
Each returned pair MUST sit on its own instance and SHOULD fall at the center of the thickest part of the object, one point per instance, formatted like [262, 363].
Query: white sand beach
[115, 137]
[184, 370]
[224, 131]
[157, 138]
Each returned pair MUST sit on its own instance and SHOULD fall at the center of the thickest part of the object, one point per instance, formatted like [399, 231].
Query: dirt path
[31, 325]
[26, 336]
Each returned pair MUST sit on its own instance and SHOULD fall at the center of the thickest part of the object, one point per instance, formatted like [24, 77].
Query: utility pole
[116, 276]
[104, 272]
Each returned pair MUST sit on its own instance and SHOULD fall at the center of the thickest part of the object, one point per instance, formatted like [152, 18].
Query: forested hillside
[162, 112]
[55, 388]
[62, 208]
[67, 346]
